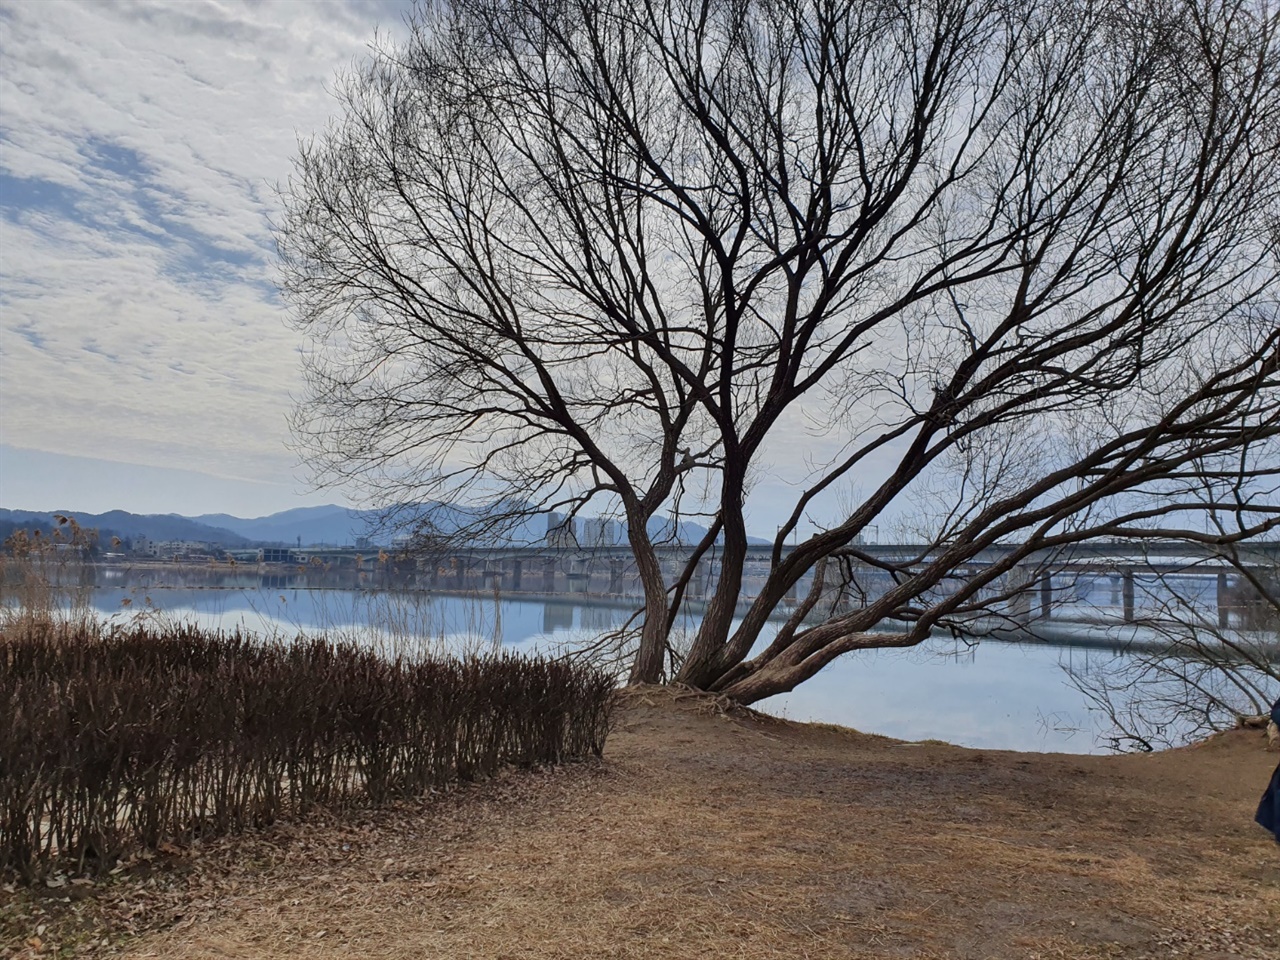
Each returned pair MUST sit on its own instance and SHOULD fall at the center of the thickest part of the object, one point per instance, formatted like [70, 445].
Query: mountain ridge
[126, 525]
[331, 525]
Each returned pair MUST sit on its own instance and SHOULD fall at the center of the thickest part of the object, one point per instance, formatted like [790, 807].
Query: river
[995, 695]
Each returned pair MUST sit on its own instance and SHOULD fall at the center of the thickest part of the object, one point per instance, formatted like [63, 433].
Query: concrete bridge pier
[841, 601]
[492, 577]
[579, 575]
[1224, 601]
[1019, 601]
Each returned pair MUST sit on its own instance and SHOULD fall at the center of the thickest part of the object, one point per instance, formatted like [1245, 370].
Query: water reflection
[557, 616]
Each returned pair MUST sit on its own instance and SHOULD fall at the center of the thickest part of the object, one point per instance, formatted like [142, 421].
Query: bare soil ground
[713, 834]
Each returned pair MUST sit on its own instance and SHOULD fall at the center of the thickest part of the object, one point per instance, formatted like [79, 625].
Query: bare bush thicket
[119, 740]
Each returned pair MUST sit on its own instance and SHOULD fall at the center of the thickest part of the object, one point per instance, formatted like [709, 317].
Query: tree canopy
[560, 252]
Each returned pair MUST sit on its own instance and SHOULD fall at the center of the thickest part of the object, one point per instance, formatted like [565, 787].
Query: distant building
[172, 549]
[598, 532]
[562, 532]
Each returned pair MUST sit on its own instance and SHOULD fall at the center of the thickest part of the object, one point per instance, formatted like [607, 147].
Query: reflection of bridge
[1091, 583]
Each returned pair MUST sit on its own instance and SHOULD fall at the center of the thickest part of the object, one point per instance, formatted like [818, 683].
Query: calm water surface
[994, 695]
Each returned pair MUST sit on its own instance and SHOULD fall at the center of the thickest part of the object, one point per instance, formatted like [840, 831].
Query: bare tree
[1215, 663]
[554, 253]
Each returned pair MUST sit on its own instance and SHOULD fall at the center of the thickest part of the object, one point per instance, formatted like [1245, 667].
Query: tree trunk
[757, 686]
[702, 666]
[650, 658]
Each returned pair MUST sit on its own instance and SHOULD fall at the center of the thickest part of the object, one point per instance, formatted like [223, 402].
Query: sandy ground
[708, 834]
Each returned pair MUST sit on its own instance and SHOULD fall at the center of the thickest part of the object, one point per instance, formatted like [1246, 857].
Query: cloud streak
[139, 146]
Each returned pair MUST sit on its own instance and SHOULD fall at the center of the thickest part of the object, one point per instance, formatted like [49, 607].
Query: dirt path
[714, 836]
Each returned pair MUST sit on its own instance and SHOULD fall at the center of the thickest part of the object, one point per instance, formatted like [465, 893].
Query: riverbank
[714, 834]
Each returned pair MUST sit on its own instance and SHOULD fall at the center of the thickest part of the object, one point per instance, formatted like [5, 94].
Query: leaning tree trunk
[704, 664]
[648, 664]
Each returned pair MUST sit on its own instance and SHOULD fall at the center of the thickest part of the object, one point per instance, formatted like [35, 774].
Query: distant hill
[126, 525]
[342, 526]
[333, 525]
[330, 524]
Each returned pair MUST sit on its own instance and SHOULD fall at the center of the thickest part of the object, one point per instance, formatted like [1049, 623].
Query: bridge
[1095, 583]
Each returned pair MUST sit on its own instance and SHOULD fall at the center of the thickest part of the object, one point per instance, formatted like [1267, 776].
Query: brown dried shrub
[126, 738]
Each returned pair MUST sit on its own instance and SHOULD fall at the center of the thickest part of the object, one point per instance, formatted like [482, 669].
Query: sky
[145, 356]
[146, 361]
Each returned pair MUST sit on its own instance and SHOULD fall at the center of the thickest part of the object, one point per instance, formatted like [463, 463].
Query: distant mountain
[314, 525]
[127, 525]
[341, 526]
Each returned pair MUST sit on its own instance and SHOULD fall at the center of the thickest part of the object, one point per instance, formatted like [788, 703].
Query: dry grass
[713, 833]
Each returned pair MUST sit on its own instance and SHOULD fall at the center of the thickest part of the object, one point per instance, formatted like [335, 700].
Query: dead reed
[126, 738]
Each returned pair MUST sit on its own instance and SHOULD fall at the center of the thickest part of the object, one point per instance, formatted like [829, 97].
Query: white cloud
[142, 141]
